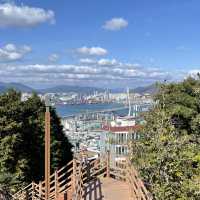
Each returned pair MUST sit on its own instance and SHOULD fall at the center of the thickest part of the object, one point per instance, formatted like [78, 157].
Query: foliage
[168, 153]
[22, 140]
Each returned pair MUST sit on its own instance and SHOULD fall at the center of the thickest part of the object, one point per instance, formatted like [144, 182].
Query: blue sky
[104, 43]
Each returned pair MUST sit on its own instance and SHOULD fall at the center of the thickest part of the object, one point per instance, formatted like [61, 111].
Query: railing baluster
[74, 177]
[33, 191]
[56, 184]
[40, 190]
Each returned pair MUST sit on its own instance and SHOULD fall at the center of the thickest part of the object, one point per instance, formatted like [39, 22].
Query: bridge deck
[107, 189]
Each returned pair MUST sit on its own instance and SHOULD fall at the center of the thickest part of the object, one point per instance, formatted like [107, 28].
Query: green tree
[168, 153]
[22, 139]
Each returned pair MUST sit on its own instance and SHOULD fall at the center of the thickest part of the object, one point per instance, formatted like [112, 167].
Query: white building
[116, 138]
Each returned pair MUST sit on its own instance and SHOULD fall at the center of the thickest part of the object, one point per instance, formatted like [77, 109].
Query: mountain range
[151, 89]
[69, 88]
[16, 86]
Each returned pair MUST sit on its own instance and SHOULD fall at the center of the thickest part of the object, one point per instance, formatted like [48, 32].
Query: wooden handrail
[73, 177]
[136, 184]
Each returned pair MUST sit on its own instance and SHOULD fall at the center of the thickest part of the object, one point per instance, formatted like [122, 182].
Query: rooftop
[121, 128]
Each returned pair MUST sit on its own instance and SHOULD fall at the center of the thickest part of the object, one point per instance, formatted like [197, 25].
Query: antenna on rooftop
[129, 103]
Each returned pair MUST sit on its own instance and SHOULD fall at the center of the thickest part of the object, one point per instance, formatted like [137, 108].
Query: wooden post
[56, 184]
[47, 153]
[40, 189]
[108, 164]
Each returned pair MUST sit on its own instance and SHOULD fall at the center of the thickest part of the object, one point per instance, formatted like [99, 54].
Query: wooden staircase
[70, 182]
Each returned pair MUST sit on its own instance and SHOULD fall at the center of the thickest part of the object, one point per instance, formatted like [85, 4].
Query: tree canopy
[168, 153]
[22, 140]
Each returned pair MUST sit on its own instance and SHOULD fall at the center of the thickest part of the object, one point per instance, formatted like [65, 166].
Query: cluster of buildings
[113, 134]
[99, 132]
[73, 98]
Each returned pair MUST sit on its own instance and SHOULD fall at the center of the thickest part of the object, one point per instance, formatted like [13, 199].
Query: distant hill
[56, 89]
[16, 86]
[67, 88]
[151, 89]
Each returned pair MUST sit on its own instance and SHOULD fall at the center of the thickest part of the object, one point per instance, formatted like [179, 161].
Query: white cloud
[92, 51]
[104, 62]
[12, 15]
[193, 73]
[53, 57]
[98, 73]
[107, 62]
[87, 61]
[115, 24]
[26, 49]
[102, 72]
[101, 62]
[11, 52]
[10, 47]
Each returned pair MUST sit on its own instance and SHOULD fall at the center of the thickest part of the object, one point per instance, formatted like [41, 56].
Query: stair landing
[107, 189]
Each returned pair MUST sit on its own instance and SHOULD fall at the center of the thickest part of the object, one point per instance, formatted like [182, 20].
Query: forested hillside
[22, 140]
[168, 153]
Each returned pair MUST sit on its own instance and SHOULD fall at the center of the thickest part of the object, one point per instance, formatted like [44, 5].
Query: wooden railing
[60, 183]
[137, 187]
[72, 179]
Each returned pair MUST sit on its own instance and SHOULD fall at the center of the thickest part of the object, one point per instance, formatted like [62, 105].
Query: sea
[68, 110]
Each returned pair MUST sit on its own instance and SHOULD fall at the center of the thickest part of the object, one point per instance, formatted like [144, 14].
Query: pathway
[107, 189]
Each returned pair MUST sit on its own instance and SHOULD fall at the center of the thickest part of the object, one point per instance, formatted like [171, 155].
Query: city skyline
[98, 43]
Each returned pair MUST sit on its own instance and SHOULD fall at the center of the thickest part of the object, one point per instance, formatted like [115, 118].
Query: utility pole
[47, 149]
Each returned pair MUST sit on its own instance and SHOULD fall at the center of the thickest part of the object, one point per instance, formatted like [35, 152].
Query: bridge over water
[139, 107]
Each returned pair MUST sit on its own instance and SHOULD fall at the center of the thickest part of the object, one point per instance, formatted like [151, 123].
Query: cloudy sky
[103, 43]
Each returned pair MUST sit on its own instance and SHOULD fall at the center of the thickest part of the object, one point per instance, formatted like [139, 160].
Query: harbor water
[68, 110]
